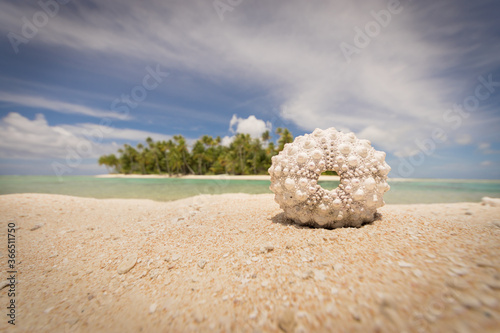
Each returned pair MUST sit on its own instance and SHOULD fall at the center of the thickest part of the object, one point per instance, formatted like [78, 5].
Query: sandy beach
[232, 263]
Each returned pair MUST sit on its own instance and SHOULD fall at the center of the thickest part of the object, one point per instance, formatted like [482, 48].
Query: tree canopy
[244, 156]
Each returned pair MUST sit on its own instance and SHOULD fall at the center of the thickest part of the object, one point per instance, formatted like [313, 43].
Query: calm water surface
[402, 192]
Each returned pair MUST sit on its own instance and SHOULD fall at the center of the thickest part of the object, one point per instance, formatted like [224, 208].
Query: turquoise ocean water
[402, 192]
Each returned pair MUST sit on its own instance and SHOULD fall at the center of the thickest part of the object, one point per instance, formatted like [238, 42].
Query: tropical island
[244, 156]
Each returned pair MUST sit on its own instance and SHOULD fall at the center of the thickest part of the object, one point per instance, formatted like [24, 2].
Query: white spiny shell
[317, 154]
[362, 170]
[301, 157]
[353, 160]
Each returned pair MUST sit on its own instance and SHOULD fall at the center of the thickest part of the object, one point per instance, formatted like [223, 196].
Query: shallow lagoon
[166, 189]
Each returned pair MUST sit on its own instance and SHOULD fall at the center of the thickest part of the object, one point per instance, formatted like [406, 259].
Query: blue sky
[420, 79]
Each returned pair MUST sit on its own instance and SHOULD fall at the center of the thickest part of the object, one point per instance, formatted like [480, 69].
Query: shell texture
[363, 179]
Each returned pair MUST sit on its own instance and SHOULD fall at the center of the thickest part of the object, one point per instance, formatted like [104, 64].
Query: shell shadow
[280, 218]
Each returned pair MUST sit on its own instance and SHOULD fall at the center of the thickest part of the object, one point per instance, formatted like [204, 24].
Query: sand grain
[233, 263]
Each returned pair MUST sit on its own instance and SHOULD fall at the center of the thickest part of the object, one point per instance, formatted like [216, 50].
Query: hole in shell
[328, 185]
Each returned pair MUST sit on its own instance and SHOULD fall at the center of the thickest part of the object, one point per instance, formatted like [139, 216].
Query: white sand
[231, 263]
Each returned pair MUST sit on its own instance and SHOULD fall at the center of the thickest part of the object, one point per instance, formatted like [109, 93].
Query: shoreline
[267, 177]
[223, 177]
[232, 262]
[219, 177]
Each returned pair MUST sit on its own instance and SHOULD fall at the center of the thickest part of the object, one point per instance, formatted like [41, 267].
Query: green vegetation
[244, 156]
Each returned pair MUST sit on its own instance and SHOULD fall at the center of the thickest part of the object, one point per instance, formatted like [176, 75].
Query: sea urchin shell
[363, 179]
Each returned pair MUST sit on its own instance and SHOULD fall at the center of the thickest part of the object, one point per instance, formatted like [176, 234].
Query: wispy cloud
[486, 149]
[39, 102]
[23, 138]
[111, 133]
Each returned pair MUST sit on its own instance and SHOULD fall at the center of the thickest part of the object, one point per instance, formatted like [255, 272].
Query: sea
[403, 191]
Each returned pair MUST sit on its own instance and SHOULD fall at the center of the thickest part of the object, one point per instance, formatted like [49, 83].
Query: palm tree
[217, 156]
[285, 137]
[110, 161]
[255, 148]
[269, 153]
[141, 157]
[266, 136]
[166, 148]
[124, 162]
[183, 151]
[199, 154]
[130, 157]
[241, 144]
[228, 161]
[154, 151]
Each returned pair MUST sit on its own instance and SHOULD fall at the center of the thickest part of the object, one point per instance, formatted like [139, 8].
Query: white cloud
[22, 138]
[485, 148]
[484, 145]
[387, 139]
[58, 106]
[227, 140]
[251, 125]
[464, 139]
[109, 133]
[486, 163]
